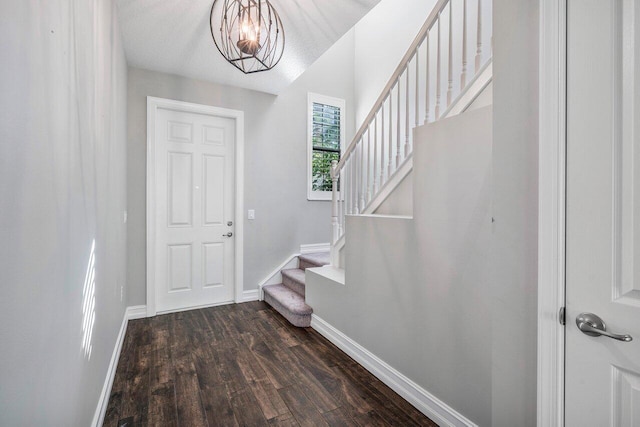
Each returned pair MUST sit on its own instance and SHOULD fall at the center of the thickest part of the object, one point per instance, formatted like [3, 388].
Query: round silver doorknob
[592, 325]
[229, 234]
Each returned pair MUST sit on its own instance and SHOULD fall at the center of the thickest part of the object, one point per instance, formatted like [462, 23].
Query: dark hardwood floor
[244, 365]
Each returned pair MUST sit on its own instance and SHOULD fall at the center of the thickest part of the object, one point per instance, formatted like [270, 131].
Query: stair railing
[420, 91]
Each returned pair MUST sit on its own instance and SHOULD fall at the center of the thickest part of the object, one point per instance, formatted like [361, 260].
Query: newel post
[335, 224]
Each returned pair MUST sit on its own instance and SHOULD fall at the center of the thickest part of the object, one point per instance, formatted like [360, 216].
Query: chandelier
[248, 33]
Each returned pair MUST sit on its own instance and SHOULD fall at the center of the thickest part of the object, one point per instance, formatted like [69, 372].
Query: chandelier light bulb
[248, 33]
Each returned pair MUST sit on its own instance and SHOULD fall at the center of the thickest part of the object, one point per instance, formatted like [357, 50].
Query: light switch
[251, 214]
[124, 217]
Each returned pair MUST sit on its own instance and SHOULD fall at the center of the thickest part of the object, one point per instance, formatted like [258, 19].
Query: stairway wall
[515, 201]
[417, 291]
[400, 201]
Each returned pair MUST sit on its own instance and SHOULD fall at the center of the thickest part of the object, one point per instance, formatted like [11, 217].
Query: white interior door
[194, 199]
[602, 383]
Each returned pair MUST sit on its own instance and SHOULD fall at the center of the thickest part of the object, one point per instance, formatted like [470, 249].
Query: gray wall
[417, 292]
[275, 160]
[62, 184]
[515, 206]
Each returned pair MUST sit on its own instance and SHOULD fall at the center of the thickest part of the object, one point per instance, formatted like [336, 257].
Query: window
[325, 143]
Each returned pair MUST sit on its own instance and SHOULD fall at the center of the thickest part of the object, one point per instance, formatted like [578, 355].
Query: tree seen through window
[325, 143]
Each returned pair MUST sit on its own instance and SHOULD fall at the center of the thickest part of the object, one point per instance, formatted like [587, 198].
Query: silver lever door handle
[594, 326]
[229, 234]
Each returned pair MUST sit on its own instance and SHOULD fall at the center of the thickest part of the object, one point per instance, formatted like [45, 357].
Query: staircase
[446, 67]
[288, 297]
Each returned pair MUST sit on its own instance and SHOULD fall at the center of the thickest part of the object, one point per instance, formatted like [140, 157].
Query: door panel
[194, 203]
[180, 187]
[179, 267]
[213, 185]
[603, 222]
[214, 264]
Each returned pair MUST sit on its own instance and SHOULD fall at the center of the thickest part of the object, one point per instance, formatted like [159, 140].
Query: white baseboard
[133, 312]
[275, 276]
[253, 295]
[425, 402]
[136, 312]
[314, 248]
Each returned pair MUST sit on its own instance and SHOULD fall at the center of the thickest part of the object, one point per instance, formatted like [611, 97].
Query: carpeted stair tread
[294, 279]
[314, 260]
[289, 304]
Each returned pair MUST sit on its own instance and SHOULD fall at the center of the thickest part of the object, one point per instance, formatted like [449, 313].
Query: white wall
[382, 37]
[275, 160]
[417, 292]
[400, 201]
[515, 205]
[62, 185]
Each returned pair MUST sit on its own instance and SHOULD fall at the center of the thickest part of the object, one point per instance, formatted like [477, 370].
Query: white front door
[602, 382]
[194, 199]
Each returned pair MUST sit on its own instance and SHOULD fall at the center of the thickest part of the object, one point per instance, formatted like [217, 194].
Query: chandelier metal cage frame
[250, 34]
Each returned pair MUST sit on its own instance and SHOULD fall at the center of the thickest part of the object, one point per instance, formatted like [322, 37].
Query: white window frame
[334, 102]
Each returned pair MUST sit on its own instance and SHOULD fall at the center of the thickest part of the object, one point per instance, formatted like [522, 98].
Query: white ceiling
[173, 36]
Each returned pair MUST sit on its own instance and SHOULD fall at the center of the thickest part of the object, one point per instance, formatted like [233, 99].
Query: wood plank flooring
[244, 365]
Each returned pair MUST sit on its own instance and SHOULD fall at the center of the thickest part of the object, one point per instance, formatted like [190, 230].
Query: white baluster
[369, 165]
[463, 75]
[450, 56]
[427, 97]
[438, 81]
[335, 227]
[340, 203]
[347, 187]
[382, 147]
[354, 182]
[356, 179]
[376, 177]
[479, 37]
[390, 133]
[343, 198]
[352, 186]
[345, 184]
[398, 138]
[406, 118]
[359, 176]
[417, 91]
[362, 188]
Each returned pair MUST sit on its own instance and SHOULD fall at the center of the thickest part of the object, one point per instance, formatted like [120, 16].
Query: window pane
[326, 127]
[321, 169]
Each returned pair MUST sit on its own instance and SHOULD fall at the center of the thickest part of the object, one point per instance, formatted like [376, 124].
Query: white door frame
[152, 107]
[551, 214]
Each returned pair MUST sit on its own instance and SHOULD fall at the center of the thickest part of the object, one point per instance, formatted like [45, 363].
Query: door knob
[229, 234]
[594, 326]
[230, 223]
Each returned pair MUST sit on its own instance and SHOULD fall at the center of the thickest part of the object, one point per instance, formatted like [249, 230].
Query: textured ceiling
[173, 36]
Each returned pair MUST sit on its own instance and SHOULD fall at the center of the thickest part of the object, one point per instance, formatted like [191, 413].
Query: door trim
[153, 104]
[551, 214]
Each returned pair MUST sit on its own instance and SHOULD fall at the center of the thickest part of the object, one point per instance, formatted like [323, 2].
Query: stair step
[314, 260]
[294, 280]
[289, 304]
